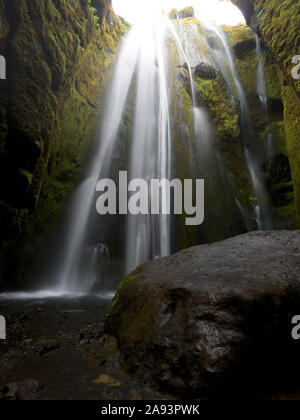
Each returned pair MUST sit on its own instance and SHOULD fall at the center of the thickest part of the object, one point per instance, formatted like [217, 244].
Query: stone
[213, 319]
[205, 71]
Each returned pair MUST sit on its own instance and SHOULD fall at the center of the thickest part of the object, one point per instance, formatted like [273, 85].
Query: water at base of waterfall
[52, 294]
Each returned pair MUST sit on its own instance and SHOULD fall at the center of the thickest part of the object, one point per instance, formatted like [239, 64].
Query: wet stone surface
[56, 349]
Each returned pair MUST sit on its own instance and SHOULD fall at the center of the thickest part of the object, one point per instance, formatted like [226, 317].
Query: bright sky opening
[220, 11]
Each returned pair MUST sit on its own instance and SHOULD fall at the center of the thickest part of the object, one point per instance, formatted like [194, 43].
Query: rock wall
[269, 125]
[59, 54]
[277, 23]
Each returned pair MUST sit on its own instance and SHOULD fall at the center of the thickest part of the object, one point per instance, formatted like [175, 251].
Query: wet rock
[182, 74]
[241, 49]
[48, 348]
[187, 12]
[90, 334]
[214, 318]
[205, 71]
[25, 390]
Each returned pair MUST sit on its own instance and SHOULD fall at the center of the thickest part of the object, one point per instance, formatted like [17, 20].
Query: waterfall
[260, 79]
[225, 60]
[74, 273]
[149, 236]
[141, 72]
[142, 67]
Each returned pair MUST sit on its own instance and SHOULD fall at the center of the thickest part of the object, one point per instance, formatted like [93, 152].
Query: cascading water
[75, 265]
[208, 163]
[149, 236]
[142, 60]
[225, 60]
[260, 79]
[142, 70]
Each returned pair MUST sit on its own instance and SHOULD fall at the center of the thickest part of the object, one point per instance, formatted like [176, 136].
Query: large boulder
[214, 318]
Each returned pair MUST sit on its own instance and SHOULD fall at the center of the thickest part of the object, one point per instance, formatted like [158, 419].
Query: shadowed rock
[214, 318]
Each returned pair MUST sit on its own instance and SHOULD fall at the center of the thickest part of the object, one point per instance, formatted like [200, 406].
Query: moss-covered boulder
[212, 319]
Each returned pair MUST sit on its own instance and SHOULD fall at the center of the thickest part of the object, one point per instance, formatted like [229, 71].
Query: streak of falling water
[224, 58]
[202, 129]
[71, 278]
[149, 236]
[260, 78]
[144, 53]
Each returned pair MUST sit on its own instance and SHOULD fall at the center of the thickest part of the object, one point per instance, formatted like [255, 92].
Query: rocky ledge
[214, 319]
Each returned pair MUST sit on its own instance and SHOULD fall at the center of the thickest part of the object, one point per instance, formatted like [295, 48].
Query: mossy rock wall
[59, 55]
[269, 126]
[219, 159]
[277, 23]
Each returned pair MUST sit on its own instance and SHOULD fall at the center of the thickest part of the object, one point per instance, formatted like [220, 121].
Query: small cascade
[207, 161]
[149, 236]
[225, 60]
[73, 274]
[260, 79]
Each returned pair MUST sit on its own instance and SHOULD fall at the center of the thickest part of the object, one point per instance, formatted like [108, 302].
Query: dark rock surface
[56, 350]
[206, 71]
[215, 318]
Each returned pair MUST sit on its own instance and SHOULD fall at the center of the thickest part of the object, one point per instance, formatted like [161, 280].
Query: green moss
[62, 54]
[27, 176]
[182, 123]
[247, 71]
[292, 130]
[173, 14]
[289, 212]
[238, 34]
[279, 25]
[187, 12]
[213, 94]
[117, 303]
[271, 77]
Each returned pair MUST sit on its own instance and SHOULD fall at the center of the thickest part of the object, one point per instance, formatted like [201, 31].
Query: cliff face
[268, 134]
[58, 55]
[277, 23]
[269, 125]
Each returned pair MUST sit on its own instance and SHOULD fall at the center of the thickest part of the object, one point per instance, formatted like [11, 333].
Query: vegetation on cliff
[59, 56]
[277, 23]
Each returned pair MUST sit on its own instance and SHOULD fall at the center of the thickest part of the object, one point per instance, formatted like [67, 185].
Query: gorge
[181, 97]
